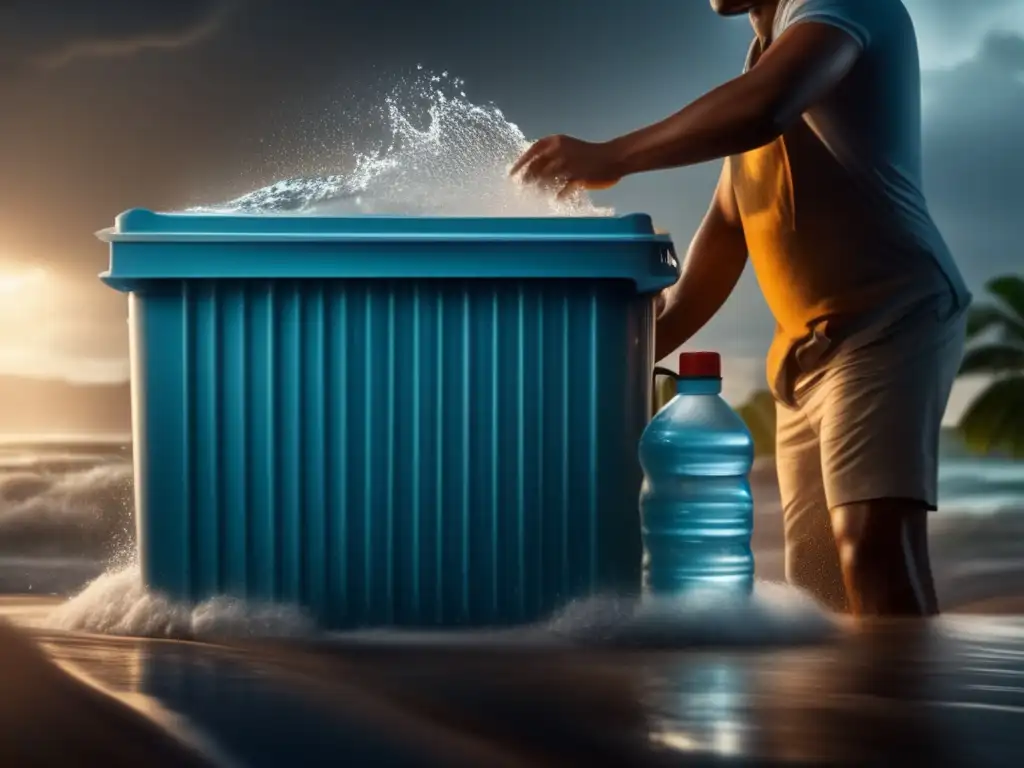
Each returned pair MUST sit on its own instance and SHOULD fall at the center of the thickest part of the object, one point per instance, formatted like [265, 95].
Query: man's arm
[802, 66]
[712, 268]
[807, 61]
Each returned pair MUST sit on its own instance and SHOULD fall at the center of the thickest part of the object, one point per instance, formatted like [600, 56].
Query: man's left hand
[566, 164]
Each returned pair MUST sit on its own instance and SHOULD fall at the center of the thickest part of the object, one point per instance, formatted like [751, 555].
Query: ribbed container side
[383, 452]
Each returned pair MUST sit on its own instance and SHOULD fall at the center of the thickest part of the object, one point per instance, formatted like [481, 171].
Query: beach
[106, 677]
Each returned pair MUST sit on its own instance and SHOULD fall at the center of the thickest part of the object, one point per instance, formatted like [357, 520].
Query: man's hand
[566, 164]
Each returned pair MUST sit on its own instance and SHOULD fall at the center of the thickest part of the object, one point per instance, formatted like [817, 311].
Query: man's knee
[883, 551]
[865, 529]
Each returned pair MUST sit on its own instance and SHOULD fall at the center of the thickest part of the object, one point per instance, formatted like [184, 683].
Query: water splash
[775, 615]
[118, 603]
[443, 156]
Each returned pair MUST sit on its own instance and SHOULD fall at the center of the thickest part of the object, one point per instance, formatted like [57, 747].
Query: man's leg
[881, 409]
[883, 549]
[812, 560]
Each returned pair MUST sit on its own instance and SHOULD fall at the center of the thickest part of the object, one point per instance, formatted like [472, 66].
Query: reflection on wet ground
[948, 693]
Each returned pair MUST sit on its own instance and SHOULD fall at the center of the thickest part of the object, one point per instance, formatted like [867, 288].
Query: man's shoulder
[862, 20]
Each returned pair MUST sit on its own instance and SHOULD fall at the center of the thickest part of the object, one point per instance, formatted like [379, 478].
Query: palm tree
[758, 413]
[995, 419]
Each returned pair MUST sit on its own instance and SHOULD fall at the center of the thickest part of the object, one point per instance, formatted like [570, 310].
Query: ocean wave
[78, 503]
[981, 486]
[64, 505]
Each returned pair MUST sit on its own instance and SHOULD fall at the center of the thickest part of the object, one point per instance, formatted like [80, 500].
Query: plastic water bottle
[696, 508]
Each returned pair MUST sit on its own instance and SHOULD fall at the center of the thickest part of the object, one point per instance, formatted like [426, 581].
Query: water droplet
[442, 155]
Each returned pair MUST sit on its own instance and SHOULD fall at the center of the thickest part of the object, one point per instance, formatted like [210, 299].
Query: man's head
[761, 12]
[734, 7]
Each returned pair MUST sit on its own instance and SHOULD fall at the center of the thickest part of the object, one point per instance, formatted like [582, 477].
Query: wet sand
[946, 692]
[49, 717]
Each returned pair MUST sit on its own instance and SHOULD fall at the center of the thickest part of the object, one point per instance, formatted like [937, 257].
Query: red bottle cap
[700, 365]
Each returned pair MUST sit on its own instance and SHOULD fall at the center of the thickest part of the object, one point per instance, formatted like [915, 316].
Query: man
[822, 189]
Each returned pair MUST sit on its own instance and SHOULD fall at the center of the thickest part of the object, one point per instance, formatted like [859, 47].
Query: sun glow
[50, 327]
[14, 283]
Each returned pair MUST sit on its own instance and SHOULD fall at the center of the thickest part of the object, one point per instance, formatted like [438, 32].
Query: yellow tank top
[827, 250]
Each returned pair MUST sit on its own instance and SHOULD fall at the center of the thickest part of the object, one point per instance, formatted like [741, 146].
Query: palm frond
[986, 317]
[993, 358]
[1010, 290]
[995, 420]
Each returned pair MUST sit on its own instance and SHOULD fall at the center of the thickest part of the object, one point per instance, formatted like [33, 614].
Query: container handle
[657, 373]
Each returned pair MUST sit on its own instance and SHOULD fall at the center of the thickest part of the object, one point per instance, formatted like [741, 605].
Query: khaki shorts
[865, 425]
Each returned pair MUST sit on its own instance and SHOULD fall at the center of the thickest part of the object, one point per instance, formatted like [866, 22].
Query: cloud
[1004, 51]
[950, 31]
[50, 34]
[973, 166]
[973, 158]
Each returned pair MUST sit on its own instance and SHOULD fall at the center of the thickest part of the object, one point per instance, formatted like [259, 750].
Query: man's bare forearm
[747, 112]
[713, 266]
[730, 120]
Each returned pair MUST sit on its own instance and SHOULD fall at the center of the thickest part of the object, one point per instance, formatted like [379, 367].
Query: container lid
[140, 225]
[148, 246]
[700, 365]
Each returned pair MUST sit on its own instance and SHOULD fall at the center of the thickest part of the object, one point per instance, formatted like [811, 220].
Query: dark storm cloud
[1003, 51]
[53, 33]
[161, 104]
[956, 13]
[973, 158]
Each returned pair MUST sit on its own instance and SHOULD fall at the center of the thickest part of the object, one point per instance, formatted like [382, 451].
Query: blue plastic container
[389, 420]
[696, 508]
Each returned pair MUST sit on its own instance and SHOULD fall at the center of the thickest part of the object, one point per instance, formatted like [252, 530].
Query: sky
[108, 105]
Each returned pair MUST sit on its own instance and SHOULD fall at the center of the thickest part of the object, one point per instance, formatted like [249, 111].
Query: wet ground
[950, 692]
